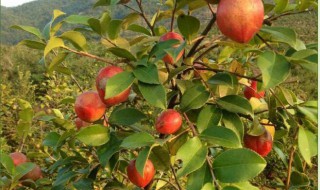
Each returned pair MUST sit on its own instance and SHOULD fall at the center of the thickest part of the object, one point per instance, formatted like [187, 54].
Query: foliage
[205, 86]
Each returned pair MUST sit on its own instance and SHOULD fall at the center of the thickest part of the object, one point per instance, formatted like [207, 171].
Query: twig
[285, 14]
[143, 15]
[173, 13]
[204, 33]
[131, 8]
[264, 41]
[175, 177]
[206, 51]
[85, 54]
[173, 185]
[210, 8]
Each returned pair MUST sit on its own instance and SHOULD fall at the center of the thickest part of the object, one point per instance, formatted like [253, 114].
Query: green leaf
[26, 114]
[95, 25]
[198, 178]
[29, 29]
[106, 3]
[139, 29]
[54, 42]
[221, 136]
[142, 160]
[154, 94]
[237, 165]
[175, 72]
[310, 113]
[160, 158]
[7, 163]
[106, 151]
[84, 184]
[123, 53]
[284, 35]
[147, 74]
[51, 139]
[94, 135]
[118, 83]
[63, 178]
[281, 5]
[223, 79]
[76, 38]
[232, 121]
[23, 169]
[308, 144]
[274, 67]
[129, 19]
[159, 49]
[191, 160]
[33, 44]
[138, 140]
[298, 180]
[188, 26]
[127, 116]
[236, 104]
[209, 116]
[175, 143]
[104, 23]
[194, 98]
[114, 29]
[77, 19]
[56, 61]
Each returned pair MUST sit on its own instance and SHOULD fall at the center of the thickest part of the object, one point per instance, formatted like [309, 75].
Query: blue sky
[13, 3]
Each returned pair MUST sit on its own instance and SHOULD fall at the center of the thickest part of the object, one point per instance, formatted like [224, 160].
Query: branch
[173, 185]
[173, 13]
[264, 41]
[175, 177]
[143, 15]
[204, 33]
[206, 51]
[273, 18]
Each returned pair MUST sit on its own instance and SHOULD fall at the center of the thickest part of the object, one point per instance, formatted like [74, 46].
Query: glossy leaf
[120, 52]
[137, 140]
[154, 94]
[76, 38]
[142, 160]
[106, 151]
[191, 160]
[160, 158]
[198, 178]
[114, 29]
[223, 79]
[139, 29]
[275, 69]
[237, 165]
[221, 136]
[118, 83]
[7, 162]
[188, 26]
[236, 104]
[194, 98]
[208, 117]
[127, 116]
[232, 121]
[307, 143]
[94, 135]
[53, 43]
[147, 74]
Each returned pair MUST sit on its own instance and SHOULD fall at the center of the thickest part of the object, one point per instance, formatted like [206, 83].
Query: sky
[13, 3]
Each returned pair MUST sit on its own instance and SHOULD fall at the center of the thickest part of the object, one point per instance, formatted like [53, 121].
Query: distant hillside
[38, 13]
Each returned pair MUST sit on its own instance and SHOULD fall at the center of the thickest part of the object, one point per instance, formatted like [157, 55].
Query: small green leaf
[29, 29]
[127, 116]
[138, 140]
[95, 25]
[223, 79]
[198, 178]
[56, 61]
[94, 135]
[280, 5]
[118, 83]
[114, 29]
[274, 67]
[221, 136]
[77, 19]
[160, 158]
[51, 139]
[191, 160]
[154, 94]
[84, 184]
[7, 163]
[23, 169]
[308, 144]
[188, 26]
[194, 98]
[139, 29]
[236, 104]
[299, 180]
[209, 116]
[142, 160]
[123, 53]
[237, 165]
[54, 42]
[106, 151]
[33, 44]
[232, 121]
[147, 74]
[76, 38]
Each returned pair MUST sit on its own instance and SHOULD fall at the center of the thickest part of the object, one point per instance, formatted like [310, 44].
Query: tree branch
[143, 15]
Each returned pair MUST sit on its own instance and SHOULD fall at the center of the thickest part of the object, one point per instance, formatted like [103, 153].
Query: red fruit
[251, 91]
[101, 81]
[80, 123]
[18, 158]
[34, 174]
[170, 36]
[89, 107]
[169, 122]
[136, 178]
[240, 19]
[261, 144]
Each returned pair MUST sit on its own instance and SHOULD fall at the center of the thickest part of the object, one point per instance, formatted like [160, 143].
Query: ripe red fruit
[261, 144]
[169, 122]
[89, 107]
[136, 178]
[101, 81]
[170, 36]
[251, 91]
[18, 158]
[34, 174]
[240, 19]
